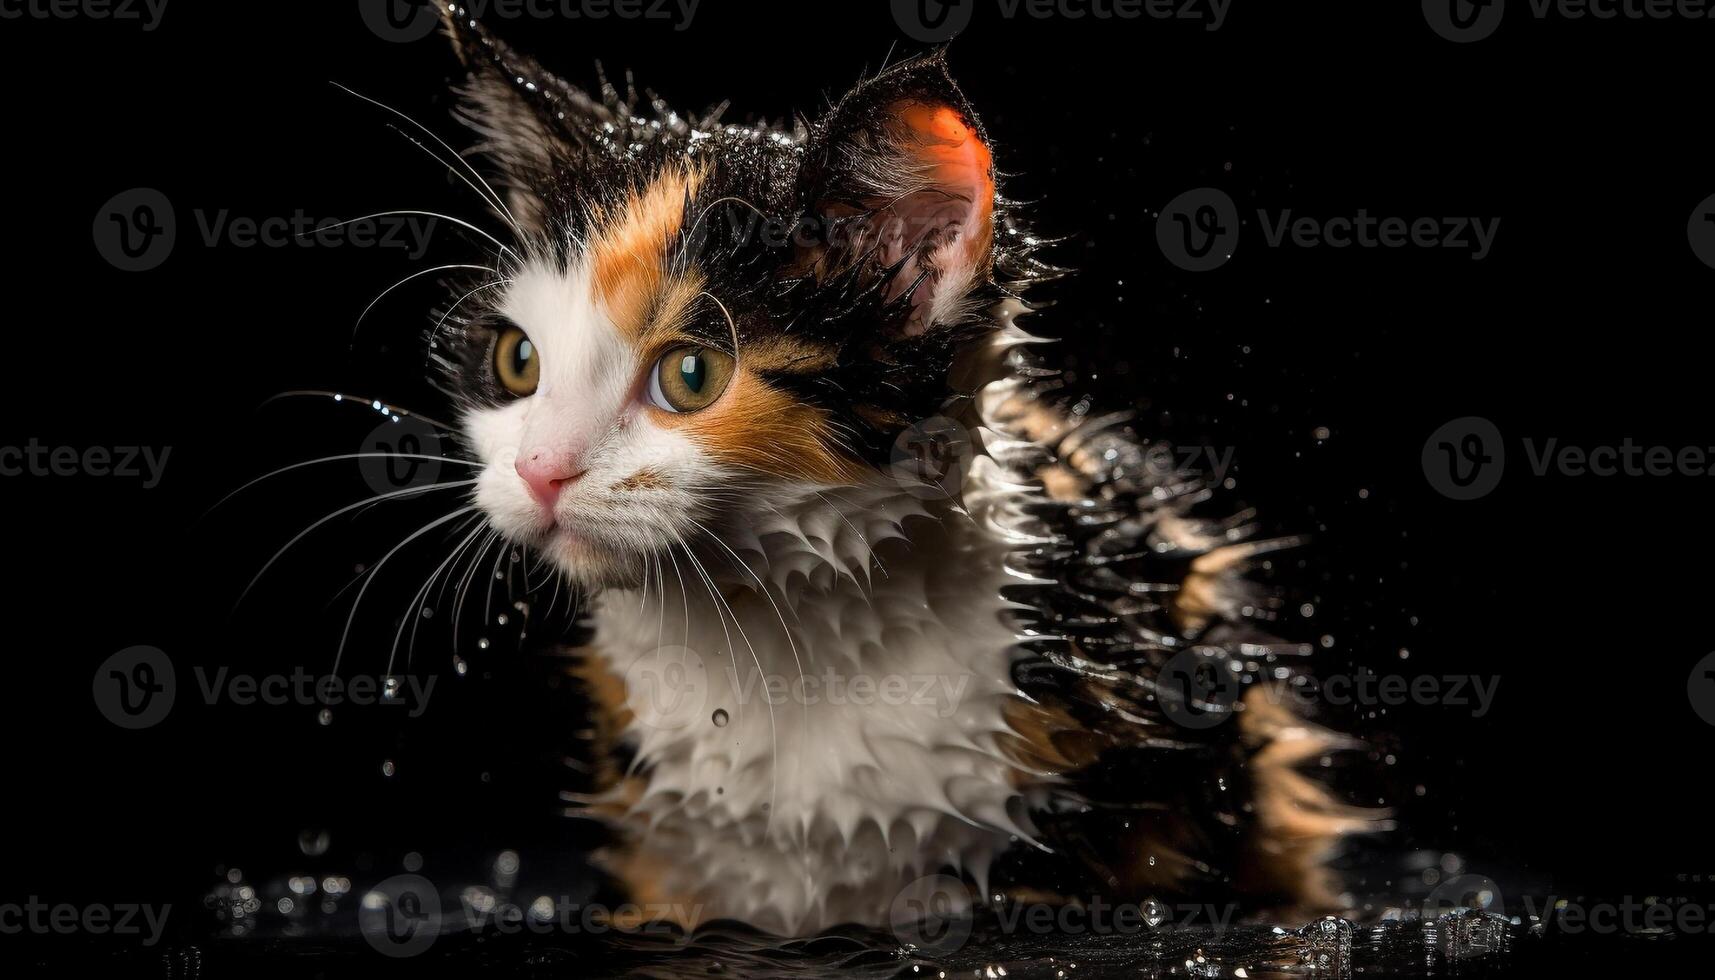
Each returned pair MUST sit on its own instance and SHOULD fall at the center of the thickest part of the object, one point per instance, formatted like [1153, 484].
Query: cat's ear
[534, 126]
[898, 180]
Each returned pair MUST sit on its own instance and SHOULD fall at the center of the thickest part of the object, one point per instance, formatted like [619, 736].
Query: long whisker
[415, 275]
[761, 674]
[463, 591]
[334, 459]
[492, 196]
[345, 399]
[426, 214]
[413, 614]
[444, 316]
[375, 572]
[440, 597]
[391, 495]
[803, 705]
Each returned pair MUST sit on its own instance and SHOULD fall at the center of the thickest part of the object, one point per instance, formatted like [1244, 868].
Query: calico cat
[762, 394]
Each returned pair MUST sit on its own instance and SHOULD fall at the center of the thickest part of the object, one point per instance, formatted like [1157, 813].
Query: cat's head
[696, 321]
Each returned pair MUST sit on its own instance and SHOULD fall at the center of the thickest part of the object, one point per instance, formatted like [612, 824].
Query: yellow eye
[515, 362]
[689, 378]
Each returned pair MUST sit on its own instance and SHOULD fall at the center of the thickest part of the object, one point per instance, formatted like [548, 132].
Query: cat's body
[859, 705]
[702, 384]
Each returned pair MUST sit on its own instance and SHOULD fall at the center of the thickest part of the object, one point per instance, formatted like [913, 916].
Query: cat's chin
[591, 564]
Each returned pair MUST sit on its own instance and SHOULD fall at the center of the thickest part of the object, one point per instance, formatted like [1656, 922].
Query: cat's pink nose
[546, 474]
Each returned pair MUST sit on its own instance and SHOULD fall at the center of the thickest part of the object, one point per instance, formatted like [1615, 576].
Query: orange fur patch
[757, 427]
[628, 255]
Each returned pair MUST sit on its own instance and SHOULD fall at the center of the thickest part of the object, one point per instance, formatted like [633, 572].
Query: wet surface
[1463, 943]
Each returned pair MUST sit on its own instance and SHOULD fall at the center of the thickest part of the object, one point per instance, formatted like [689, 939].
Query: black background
[1585, 596]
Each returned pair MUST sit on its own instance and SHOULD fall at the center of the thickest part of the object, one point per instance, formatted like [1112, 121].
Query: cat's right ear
[535, 127]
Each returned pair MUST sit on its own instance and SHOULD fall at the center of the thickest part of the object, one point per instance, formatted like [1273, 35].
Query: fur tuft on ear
[531, 123]
[898, 181]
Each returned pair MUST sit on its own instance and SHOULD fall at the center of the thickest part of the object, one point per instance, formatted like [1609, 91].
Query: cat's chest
[813, 738]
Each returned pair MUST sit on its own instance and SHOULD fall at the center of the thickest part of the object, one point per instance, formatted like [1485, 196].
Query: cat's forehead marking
[628, 256]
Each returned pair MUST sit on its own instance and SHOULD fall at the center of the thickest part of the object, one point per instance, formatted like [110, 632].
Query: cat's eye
[689, 378]
[515, 362]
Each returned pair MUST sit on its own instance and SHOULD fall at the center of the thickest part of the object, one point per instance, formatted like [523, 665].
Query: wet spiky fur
[1111, 565]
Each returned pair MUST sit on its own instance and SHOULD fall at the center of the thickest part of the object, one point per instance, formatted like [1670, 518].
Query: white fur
[792, 816]
[587, 408]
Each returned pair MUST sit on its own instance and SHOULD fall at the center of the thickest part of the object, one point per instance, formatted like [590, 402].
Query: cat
[763, 395]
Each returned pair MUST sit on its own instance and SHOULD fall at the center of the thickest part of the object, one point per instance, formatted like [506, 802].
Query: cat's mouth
[589, 557]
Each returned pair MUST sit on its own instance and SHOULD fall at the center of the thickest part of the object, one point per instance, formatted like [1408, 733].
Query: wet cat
[870, 611]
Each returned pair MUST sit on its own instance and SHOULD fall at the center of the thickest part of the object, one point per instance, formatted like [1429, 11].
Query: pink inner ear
[953, 213]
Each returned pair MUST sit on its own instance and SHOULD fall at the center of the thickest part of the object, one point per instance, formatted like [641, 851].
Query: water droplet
[459, 666]
[502, 619]
[482, 644]
[387, 768]
[720, 718]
